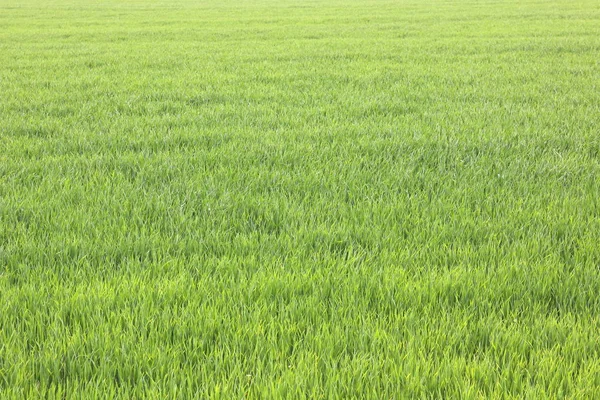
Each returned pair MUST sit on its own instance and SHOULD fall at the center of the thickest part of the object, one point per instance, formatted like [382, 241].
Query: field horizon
[260, 199]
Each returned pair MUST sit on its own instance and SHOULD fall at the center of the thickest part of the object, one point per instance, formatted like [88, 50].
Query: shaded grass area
[319, 199]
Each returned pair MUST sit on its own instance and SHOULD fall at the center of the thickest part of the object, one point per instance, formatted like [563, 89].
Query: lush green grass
[380, 199]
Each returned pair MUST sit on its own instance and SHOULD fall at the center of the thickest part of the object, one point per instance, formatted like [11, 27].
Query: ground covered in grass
[324, 199]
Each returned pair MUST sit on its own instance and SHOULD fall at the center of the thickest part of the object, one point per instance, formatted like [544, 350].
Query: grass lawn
[300, 199]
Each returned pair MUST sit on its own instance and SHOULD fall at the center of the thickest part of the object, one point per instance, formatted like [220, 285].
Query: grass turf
[381, 199]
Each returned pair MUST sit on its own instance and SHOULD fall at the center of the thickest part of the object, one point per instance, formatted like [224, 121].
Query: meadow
[300, 199]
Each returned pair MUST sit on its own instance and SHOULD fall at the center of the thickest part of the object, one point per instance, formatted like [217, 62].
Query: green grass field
[300, 199]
